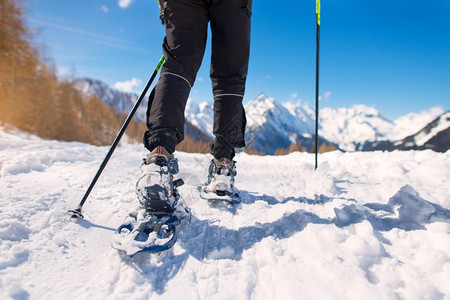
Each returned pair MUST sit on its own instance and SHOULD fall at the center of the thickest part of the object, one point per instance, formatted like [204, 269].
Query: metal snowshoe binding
[154, 227]
[155, 188]
[220, 185]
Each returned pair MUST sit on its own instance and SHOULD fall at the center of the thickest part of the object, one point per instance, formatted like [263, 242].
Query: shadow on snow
[206, 239]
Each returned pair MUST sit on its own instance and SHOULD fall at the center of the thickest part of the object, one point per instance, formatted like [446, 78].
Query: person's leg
[186, 24]
[230, 26]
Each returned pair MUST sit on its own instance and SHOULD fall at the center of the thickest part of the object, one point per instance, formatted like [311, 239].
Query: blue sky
[393, 55]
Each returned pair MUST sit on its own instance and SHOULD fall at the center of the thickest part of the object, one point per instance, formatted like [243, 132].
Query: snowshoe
[148, 232]
[155, 188]
[220, 185]
[155, 226]
[230, 198]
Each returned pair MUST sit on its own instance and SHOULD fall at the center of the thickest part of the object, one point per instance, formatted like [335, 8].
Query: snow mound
[364, 225]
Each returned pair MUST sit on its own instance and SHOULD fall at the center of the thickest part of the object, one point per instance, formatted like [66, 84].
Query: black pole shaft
[77, 212]
[317, 80]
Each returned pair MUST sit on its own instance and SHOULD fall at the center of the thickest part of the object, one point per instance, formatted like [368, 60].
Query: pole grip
[318, 12]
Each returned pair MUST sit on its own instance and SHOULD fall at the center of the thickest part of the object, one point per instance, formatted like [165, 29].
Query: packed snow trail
[364, 225]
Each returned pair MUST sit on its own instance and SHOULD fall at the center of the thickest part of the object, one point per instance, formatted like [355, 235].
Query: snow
[302, 112]
[350, 127]
[372, 225]
[122, 102]
[413, 122]
[200, 115]
[442, 124]
[287, 118]
[347, 127]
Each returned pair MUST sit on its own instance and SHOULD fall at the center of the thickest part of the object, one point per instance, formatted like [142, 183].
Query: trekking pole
[317, 78]
[76, 213]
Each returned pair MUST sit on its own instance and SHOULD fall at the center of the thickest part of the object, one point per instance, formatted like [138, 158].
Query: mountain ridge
[435, 136]
[273, 125]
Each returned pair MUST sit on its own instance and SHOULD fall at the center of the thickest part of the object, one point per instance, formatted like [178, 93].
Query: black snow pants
[186, 24]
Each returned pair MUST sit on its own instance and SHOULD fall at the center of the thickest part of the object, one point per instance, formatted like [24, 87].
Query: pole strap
[162, 6]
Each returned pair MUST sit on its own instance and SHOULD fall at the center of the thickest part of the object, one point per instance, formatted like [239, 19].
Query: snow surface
[369, 225]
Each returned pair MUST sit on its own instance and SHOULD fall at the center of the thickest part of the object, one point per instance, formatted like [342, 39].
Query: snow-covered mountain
[304, 113]
[435, 136]
[351, 127]
[201, 115]
[121, 101]
[272, 124]
[413, 122]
